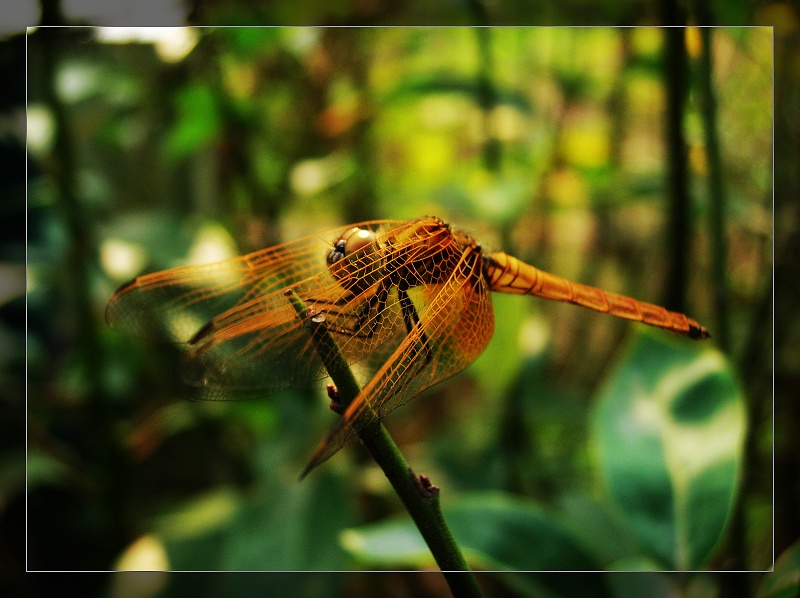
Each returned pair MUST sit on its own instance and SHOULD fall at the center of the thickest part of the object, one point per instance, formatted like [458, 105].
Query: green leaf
[494, 530]
[387, 543]
[594, 526]
[784, 581]
[199, 515]
[295, 529]
[669, 426]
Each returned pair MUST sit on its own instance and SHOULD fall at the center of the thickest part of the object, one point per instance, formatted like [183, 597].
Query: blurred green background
[576, 442]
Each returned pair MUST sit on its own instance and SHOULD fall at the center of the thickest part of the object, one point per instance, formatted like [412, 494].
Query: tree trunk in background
[677, 172]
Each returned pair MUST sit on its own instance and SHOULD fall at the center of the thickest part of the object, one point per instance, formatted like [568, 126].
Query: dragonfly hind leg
[411, 319]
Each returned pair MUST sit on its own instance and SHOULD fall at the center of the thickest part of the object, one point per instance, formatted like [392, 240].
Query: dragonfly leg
[356, 319]
[411, 318]
[377, 300]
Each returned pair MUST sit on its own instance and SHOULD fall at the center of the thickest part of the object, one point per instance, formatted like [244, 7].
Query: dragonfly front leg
[353, 321]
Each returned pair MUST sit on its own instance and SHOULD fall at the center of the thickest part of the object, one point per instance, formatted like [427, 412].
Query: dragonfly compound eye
[353, 261]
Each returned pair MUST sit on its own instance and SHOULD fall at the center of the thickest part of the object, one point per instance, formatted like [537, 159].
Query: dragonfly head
[352, 259]
[349, 242]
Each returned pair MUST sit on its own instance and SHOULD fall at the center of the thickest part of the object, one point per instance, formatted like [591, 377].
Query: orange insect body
[507, 274]
[410, 301]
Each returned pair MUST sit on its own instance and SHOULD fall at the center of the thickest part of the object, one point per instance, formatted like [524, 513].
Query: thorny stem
[418, 494]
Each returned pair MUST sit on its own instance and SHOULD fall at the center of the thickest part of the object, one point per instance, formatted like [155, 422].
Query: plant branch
[420, 497]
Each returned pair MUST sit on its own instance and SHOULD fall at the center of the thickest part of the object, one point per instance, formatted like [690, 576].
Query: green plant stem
[420, 498]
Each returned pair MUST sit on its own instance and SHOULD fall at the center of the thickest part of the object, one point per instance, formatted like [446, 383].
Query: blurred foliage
[192, 145]
[785, 579]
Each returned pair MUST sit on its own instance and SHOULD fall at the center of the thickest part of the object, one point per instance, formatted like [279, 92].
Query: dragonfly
[407, 302]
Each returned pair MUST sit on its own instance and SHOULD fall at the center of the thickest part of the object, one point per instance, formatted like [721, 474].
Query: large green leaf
[668, 427]
[495, 531]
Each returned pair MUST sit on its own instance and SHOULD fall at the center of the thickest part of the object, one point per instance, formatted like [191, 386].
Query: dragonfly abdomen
[507, 274]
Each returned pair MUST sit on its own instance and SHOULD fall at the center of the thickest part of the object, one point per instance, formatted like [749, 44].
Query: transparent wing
[173, 305]
[263, 345]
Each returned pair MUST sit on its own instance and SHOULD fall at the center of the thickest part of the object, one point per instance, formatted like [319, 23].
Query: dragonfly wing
[453, 329]
[174, 305]
[256, 348]
[262, 345]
